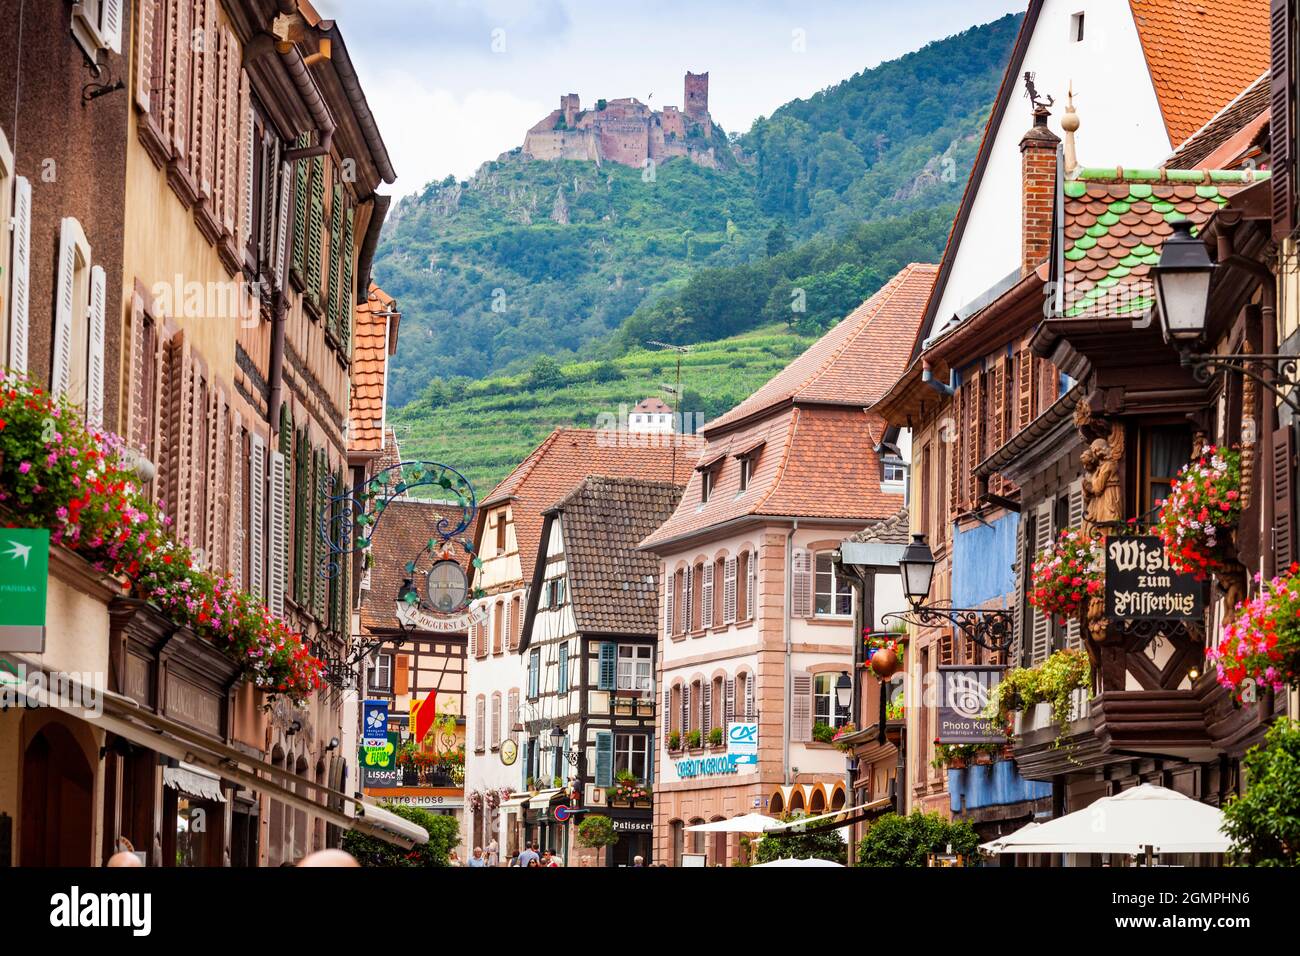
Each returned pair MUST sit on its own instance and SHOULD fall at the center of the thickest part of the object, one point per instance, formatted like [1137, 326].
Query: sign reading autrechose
[1141, 586]
[964, 691]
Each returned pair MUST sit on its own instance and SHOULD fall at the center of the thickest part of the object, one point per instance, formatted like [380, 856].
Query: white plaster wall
[1120, 124]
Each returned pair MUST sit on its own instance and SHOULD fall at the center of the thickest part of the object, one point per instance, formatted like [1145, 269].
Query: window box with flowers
[840, 738]
[628, 791]
[1260, 643]
[960, 756]
[675, 740]
[57, 473]
[1052, 682]
[1197, 520]
[717, 739]
[1066, 575]
[693, 740]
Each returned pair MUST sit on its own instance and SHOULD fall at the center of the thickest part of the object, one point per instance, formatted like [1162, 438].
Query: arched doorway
[818, 802]
[58, 800]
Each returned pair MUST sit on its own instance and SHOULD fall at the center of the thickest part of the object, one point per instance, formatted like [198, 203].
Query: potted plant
[1053, 682]
[839, 740]
[715, 737]
[1065, 576]
[693, 739]
[1203, 508]
[823, 733]
[675, 740]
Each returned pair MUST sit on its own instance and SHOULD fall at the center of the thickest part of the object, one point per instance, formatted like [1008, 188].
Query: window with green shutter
[604, 758]
[301, 502]
[608, 666]
[321, 592]
[347, 299]
[315, 231]
[332, 291]
[301, 202]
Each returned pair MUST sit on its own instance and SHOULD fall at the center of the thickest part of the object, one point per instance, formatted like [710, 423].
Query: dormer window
[1076, 28]
[746, 470]
[893, 470]
[707, 480]
[747, 458]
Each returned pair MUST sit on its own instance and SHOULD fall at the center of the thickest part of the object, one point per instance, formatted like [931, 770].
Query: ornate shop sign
[1141, 586]
[964, 692]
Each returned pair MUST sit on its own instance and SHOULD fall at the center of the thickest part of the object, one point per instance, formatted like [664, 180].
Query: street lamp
[990, 629]
[844, 690]
[1182, 279]
[917, 569]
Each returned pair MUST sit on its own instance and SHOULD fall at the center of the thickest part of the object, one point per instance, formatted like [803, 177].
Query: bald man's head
[329, 858]
[124, 858]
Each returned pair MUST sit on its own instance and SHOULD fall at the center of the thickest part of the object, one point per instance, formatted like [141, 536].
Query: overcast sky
[456, 82]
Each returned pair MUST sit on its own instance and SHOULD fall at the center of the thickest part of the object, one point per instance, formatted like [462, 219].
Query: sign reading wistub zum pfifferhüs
[1141, 586]
[964, 691]
[24, 575]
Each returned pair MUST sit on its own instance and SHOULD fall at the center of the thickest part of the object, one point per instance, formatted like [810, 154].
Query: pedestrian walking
[493, 854]
[529, 856]
[477, 859]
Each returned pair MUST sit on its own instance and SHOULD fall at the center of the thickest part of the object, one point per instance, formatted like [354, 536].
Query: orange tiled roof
[569, 455]
[856, 361]
[817, 457]
[371, 347]
[1201, 54]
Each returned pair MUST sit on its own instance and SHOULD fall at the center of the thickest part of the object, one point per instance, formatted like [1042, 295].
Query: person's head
[533, 862]
[329, 858]
[478, 852]
[124, 858]
[638, 861]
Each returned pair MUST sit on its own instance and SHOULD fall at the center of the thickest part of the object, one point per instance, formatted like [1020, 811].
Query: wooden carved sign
[1141, 586]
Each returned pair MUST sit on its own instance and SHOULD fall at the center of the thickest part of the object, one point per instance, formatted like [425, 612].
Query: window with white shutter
[1040, 640]
[278, 574]
[801, 584]
[1073, 630]
[706, 603]
[496, 720]
[256, 522]
[729, 714]
[19, 306]
[801, 706]
[97, 26]
[71, 304]
[480, 707]
[729, 591]
[95, 349]
[670, 581]
[512, 713]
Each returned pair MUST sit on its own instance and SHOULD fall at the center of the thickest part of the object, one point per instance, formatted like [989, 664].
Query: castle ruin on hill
[627, 131]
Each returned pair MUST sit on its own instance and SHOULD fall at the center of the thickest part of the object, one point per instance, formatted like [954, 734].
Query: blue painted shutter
[650, 762]
[604, 754]
[608, 665]
[564, 668]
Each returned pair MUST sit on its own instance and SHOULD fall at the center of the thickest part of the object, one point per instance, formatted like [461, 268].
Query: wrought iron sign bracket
[993, 630]
[1283, 384]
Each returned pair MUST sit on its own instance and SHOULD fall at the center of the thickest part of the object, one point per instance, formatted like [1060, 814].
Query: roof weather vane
[1031, 93]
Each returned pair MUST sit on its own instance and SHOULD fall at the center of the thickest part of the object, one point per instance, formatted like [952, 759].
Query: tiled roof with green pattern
[1116, 221]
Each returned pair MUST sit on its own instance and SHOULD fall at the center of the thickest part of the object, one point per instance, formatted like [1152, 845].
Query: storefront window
[630, 752]
[826, 709]
[635, 669]
[834, 594]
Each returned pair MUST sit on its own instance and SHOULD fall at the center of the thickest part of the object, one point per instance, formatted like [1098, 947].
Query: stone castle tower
[697, 96]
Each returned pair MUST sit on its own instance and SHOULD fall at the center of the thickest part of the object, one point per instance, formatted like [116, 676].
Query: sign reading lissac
[964, 692]
[1141, 586]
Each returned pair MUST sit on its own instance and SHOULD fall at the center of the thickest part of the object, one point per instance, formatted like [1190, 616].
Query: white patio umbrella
[994, 845]
[801, 863]
[1146, 817]
[749, 823]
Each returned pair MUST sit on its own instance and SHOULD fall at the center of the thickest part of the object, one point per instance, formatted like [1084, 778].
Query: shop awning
[850, 815]
[122, 716]
[516, 801]
[542, 800]
[194, 781]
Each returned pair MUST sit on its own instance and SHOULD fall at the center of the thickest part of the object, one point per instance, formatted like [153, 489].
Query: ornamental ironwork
[993, 629]
[1284, 382]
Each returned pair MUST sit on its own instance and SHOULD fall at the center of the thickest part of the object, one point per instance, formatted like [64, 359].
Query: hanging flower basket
[1065, 576]
[1196, 521]
[1260, 645]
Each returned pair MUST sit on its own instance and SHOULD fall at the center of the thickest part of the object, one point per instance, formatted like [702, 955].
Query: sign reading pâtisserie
[1141, 586]
[964, 692]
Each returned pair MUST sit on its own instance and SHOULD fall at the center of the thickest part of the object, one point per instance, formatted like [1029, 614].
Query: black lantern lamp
[1182, 279]
[991, 629]
[844, 690]
[917, 569]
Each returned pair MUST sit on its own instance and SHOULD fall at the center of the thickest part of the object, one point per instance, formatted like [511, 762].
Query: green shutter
[604, 758]
[315, 230]
[564, 669]
[608, 665]
[338, 601]
[302, 183]
[320, 592]
[332, 292]
[301, 502]
[348, 297]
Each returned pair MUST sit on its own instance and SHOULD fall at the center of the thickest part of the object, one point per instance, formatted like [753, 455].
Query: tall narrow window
[834, 594]
[1076, 28]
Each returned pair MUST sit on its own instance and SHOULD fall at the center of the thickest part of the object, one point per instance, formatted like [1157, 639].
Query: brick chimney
[1038, 181]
